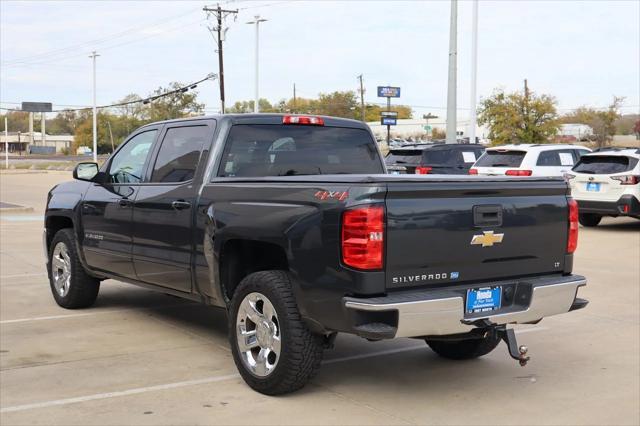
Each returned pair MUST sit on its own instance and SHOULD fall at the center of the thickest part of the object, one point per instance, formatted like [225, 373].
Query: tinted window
[179, 154]
[555, 158]
[605, 164]
[404, 156]
[494, 158]
[440, 156]
[281, 150]
[128, 163]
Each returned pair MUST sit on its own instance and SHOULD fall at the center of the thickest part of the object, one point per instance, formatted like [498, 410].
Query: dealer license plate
[593, 186]
[485, 299]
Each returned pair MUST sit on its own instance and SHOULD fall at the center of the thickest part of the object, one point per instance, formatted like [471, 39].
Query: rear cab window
[556, 158]
[605, 164]
[501, 158]
[254, 150]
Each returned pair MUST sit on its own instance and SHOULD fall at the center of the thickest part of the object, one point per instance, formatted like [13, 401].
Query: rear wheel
[589, 219]
[71, 286]
[272, 347]
[464, 349]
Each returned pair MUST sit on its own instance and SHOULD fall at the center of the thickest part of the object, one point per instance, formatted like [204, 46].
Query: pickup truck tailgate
[447, 231]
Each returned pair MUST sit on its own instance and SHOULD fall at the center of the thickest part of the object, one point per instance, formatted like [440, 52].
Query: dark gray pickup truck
[291, 224]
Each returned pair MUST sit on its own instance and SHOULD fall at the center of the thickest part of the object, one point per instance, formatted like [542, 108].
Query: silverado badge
[487, 239]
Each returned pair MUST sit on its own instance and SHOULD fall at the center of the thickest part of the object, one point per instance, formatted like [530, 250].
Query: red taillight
[303, 119]
[363, 237]
[473, 171]
[423, 170]
[572, 241]
[518, 172]
[627, 179]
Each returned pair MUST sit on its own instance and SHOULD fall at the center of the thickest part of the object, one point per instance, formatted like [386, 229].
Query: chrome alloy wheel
[61, 269]
[258, 334]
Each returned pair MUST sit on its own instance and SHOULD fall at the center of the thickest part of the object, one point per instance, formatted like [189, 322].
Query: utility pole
[31, 128]
[362, 111]
[256, 102]
[6, 143]
[453, 71]
[474, 73]
[219, 15]
[113, 148]
[93, 56]
[295, 101]
[43, 130]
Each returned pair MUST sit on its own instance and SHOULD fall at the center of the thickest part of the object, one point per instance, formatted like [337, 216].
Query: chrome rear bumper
[432, 316]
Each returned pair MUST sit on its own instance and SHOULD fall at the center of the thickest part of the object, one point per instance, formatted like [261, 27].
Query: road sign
[388, 92]
[388, 121]
[37, 106]
[389, 114]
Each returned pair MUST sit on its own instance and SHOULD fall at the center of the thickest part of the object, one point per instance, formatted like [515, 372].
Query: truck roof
[269, 118]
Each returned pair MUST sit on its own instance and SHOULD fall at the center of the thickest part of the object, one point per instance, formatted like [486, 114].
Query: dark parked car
[291, 225]
[430, 159]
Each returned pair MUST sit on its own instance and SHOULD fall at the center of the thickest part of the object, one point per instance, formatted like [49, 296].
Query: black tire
[82, 288]
[589, 219]
[301, 350]
[464, 349]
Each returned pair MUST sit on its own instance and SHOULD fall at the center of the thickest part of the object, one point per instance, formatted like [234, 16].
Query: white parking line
[205, 380]
[109, 311]
[174, 385]
[127, 392]
[4, 277]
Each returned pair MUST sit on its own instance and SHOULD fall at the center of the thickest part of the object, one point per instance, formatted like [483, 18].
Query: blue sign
[389, 121]
[388, 92]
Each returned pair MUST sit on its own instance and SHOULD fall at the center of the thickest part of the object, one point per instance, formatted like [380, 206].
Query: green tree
[603, 122]
[519, 117]
[17, 121]
[372, 112]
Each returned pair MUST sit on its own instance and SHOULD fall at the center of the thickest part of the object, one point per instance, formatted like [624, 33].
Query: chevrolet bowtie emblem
[487, 239]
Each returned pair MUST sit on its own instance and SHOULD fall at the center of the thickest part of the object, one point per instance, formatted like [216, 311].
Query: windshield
[289, 150]
[404, 156]
[604, 164]
[495, 158]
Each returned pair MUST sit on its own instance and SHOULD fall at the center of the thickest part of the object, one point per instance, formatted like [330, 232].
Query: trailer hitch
[506, 334]
[519, 353]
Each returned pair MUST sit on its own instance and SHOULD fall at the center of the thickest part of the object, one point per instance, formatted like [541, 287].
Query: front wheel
[272, 347]
[465, 348]
[589, 219]
[71, 286]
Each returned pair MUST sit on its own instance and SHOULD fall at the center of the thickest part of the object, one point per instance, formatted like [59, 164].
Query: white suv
[606, 183]
[528, 160]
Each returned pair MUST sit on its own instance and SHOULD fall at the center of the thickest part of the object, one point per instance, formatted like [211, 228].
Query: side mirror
[85, 171]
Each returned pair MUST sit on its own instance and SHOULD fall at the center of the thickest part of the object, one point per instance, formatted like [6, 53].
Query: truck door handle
[180, 205]
[488, 215]
[123, 202]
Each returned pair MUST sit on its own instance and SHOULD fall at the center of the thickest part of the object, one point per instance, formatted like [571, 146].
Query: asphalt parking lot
[140, 357]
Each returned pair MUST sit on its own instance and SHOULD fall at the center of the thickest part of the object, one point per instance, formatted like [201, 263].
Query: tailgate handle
[487, 215]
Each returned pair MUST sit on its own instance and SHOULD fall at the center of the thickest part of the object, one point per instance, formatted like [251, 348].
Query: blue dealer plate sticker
[593, 186]
[485, 299]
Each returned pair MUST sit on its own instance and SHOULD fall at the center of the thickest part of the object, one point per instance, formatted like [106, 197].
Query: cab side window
[128, 163]
[179, 154]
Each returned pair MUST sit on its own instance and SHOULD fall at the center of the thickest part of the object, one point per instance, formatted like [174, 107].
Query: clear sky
[583, 53]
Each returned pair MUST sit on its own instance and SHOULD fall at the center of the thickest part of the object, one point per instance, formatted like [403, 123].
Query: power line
[146, 100]
[106, 38]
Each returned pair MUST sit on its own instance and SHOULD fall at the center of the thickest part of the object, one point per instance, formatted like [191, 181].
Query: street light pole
[451, 90]
[6, 144]
[257, 21]
[474, 73]
[94, 55]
